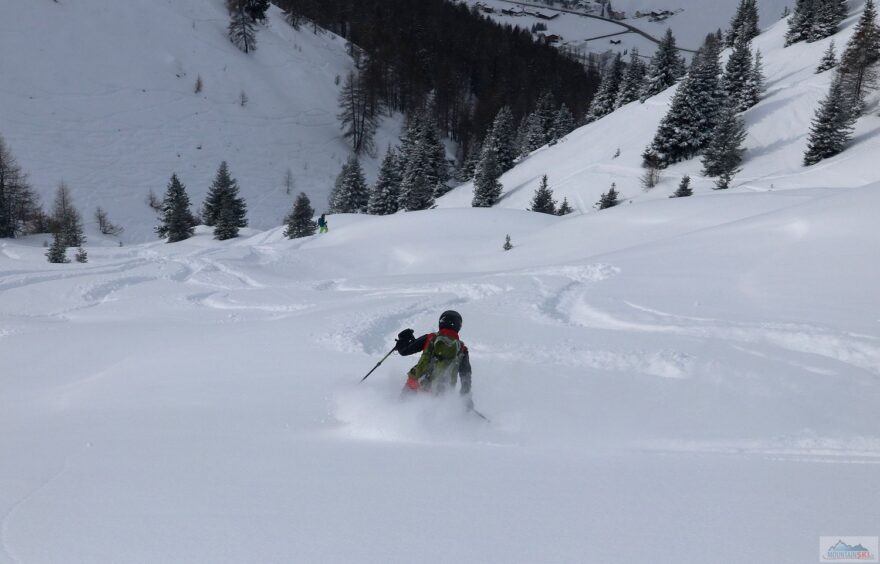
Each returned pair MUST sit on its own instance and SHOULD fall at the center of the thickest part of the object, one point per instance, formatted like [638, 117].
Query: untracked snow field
[686, 381]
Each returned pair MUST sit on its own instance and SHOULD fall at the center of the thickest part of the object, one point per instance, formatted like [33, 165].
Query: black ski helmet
[450, 320]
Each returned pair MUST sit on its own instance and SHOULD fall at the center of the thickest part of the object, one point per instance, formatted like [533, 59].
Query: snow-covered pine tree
[66, 218]
[177, 220]
[832, 125]
[57, 252]
[815, 19]
[543, 201]
[242, 31]
[829, 59]
[737, 74]
[744, 25]
[81, 255]
[800, 24]
[350, 193]
[19, 205]
[217, 194]
[564, 122]
[723, 155]
[232, 216]
[475, 147]
[299, 222]
[684, 188]
[609, 199]
[606, 97]
[504, 137]
[385, 196]
[533, 137]
[828, 15]
[665, 69]
[755, 86]
[859, 62]
[696, 107]
[564, 208]
[487, 188]
[633, 80]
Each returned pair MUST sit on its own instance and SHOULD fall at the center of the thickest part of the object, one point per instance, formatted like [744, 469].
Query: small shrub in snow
[81, 255]
[507, 244]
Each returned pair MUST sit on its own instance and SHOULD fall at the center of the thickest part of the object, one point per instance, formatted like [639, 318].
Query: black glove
[404, 338]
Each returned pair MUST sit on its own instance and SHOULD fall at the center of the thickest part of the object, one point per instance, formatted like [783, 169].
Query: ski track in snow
[10, 513]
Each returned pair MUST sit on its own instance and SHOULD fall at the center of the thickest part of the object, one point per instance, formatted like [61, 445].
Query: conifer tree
[737, 76]
[859, 61]
[223, 208]
[67, 219]
[81, 255]
[546, 113]
[350, 193]
[564, 208]
[684, 188]
[609, 199]
[299, 222]
[178, 222]
[606, 97]
[223, 182]
[633, 80]
[564, 122]
[829, 59]
[665, 69]
[744, 25]
[687, 127]
[755, 86]
[533, 136]
[503, 135]
[507, 244]
[832, 125]
[723, 156]
[19, 205]
[814, 20]
[487, 188]
[242, 31]
[473, 157]
[57, 252]
[543, 201]
[359, 122]
[385, 196]
[423, 162]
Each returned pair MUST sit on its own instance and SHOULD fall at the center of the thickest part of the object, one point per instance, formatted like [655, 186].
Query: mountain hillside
[100, 94]
[582, 166]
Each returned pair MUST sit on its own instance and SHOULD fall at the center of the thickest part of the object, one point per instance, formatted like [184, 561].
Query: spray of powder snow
[382, 413]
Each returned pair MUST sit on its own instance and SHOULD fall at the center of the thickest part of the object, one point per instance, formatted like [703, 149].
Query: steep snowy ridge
[582, 166]
[100, 93]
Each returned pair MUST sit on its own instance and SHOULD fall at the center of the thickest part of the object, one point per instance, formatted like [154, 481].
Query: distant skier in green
[444, 359]
[322, 224]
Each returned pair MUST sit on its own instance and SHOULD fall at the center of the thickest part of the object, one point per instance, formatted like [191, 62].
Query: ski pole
[486, 419]
[379, 363]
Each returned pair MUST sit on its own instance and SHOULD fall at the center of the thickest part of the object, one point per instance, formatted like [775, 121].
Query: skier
[444, 359]
[322, 224]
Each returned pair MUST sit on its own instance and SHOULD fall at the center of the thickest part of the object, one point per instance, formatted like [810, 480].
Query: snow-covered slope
[693, 19]
[100, 93]
[680, 378]
[582, 166]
